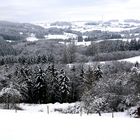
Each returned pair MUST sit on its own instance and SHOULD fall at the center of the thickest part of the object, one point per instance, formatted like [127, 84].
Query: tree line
[109, 87]
[51, 85]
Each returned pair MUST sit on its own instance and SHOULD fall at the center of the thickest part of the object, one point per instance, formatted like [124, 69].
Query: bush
[70, 109]
[10, 97]
[133, 112]
[114, 92]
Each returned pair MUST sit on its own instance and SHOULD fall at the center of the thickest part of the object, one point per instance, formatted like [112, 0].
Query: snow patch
[65, 36]
[28, 125]
[132, 59]
[84, 43]
[32, 38]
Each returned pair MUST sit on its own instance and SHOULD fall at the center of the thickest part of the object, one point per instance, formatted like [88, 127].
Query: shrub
[70, 109]
[10, 96]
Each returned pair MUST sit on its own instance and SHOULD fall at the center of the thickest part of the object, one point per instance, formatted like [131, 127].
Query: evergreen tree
[40, 86]
[133, 44]
[81, 81]
[64, 86]
[55, 87]
[74, 85]
[53, 93]
[89, 78]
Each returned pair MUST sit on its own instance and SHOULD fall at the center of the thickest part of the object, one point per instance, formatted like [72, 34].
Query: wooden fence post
[48, 111]
[81, 110]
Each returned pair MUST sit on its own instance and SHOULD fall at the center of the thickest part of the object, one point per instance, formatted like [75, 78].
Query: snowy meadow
[35, 123]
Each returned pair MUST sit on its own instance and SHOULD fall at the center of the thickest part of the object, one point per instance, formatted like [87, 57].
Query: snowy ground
[63, 37]
[132, 59]
[81, 26]
[44, 107]
[32, 38]
[34, 125]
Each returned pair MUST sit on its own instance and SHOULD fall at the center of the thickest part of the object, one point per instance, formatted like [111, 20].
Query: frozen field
[31, 124]
[132, 59]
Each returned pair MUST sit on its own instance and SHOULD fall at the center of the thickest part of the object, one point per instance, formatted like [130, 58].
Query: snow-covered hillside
[32, 38]
[132, 59]
[117, 30]
[26, 125]
[84, 26]
[65, 36]
[112, 26]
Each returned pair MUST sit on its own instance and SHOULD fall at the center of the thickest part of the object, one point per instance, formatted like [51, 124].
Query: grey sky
[67, 10]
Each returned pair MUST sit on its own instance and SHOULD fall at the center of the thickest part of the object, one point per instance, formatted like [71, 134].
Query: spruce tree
[89, 79]
[53, 94]
[40, 86]
[64, 86]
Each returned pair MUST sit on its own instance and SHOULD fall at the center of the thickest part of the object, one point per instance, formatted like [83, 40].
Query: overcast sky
[68, 10]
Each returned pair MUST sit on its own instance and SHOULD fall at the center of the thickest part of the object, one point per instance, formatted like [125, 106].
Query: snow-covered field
[36, 125]
[117, 26]
[87, 43]
[132, 59]
[32, 38]
[81, 26]
[44, 107]
[63, 37]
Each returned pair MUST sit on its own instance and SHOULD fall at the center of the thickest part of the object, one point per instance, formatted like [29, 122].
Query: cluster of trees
[112, 50]
[48, 52]
[117, 90]
[51, 51]
[19, 31]
[51, 84]
[109, 46]
[23, 59]
[100, 35]
[43, 86]
[96, 35]
[6, 50]
[107, 88]
[132, 45]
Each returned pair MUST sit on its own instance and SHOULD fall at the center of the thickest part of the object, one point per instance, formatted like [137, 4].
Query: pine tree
[81, 81]
[89, 78]
[73, 85]
[55, 87]
[40, 86]
[133, 44]
[76, 83]
[64, 86]
[53, 93]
